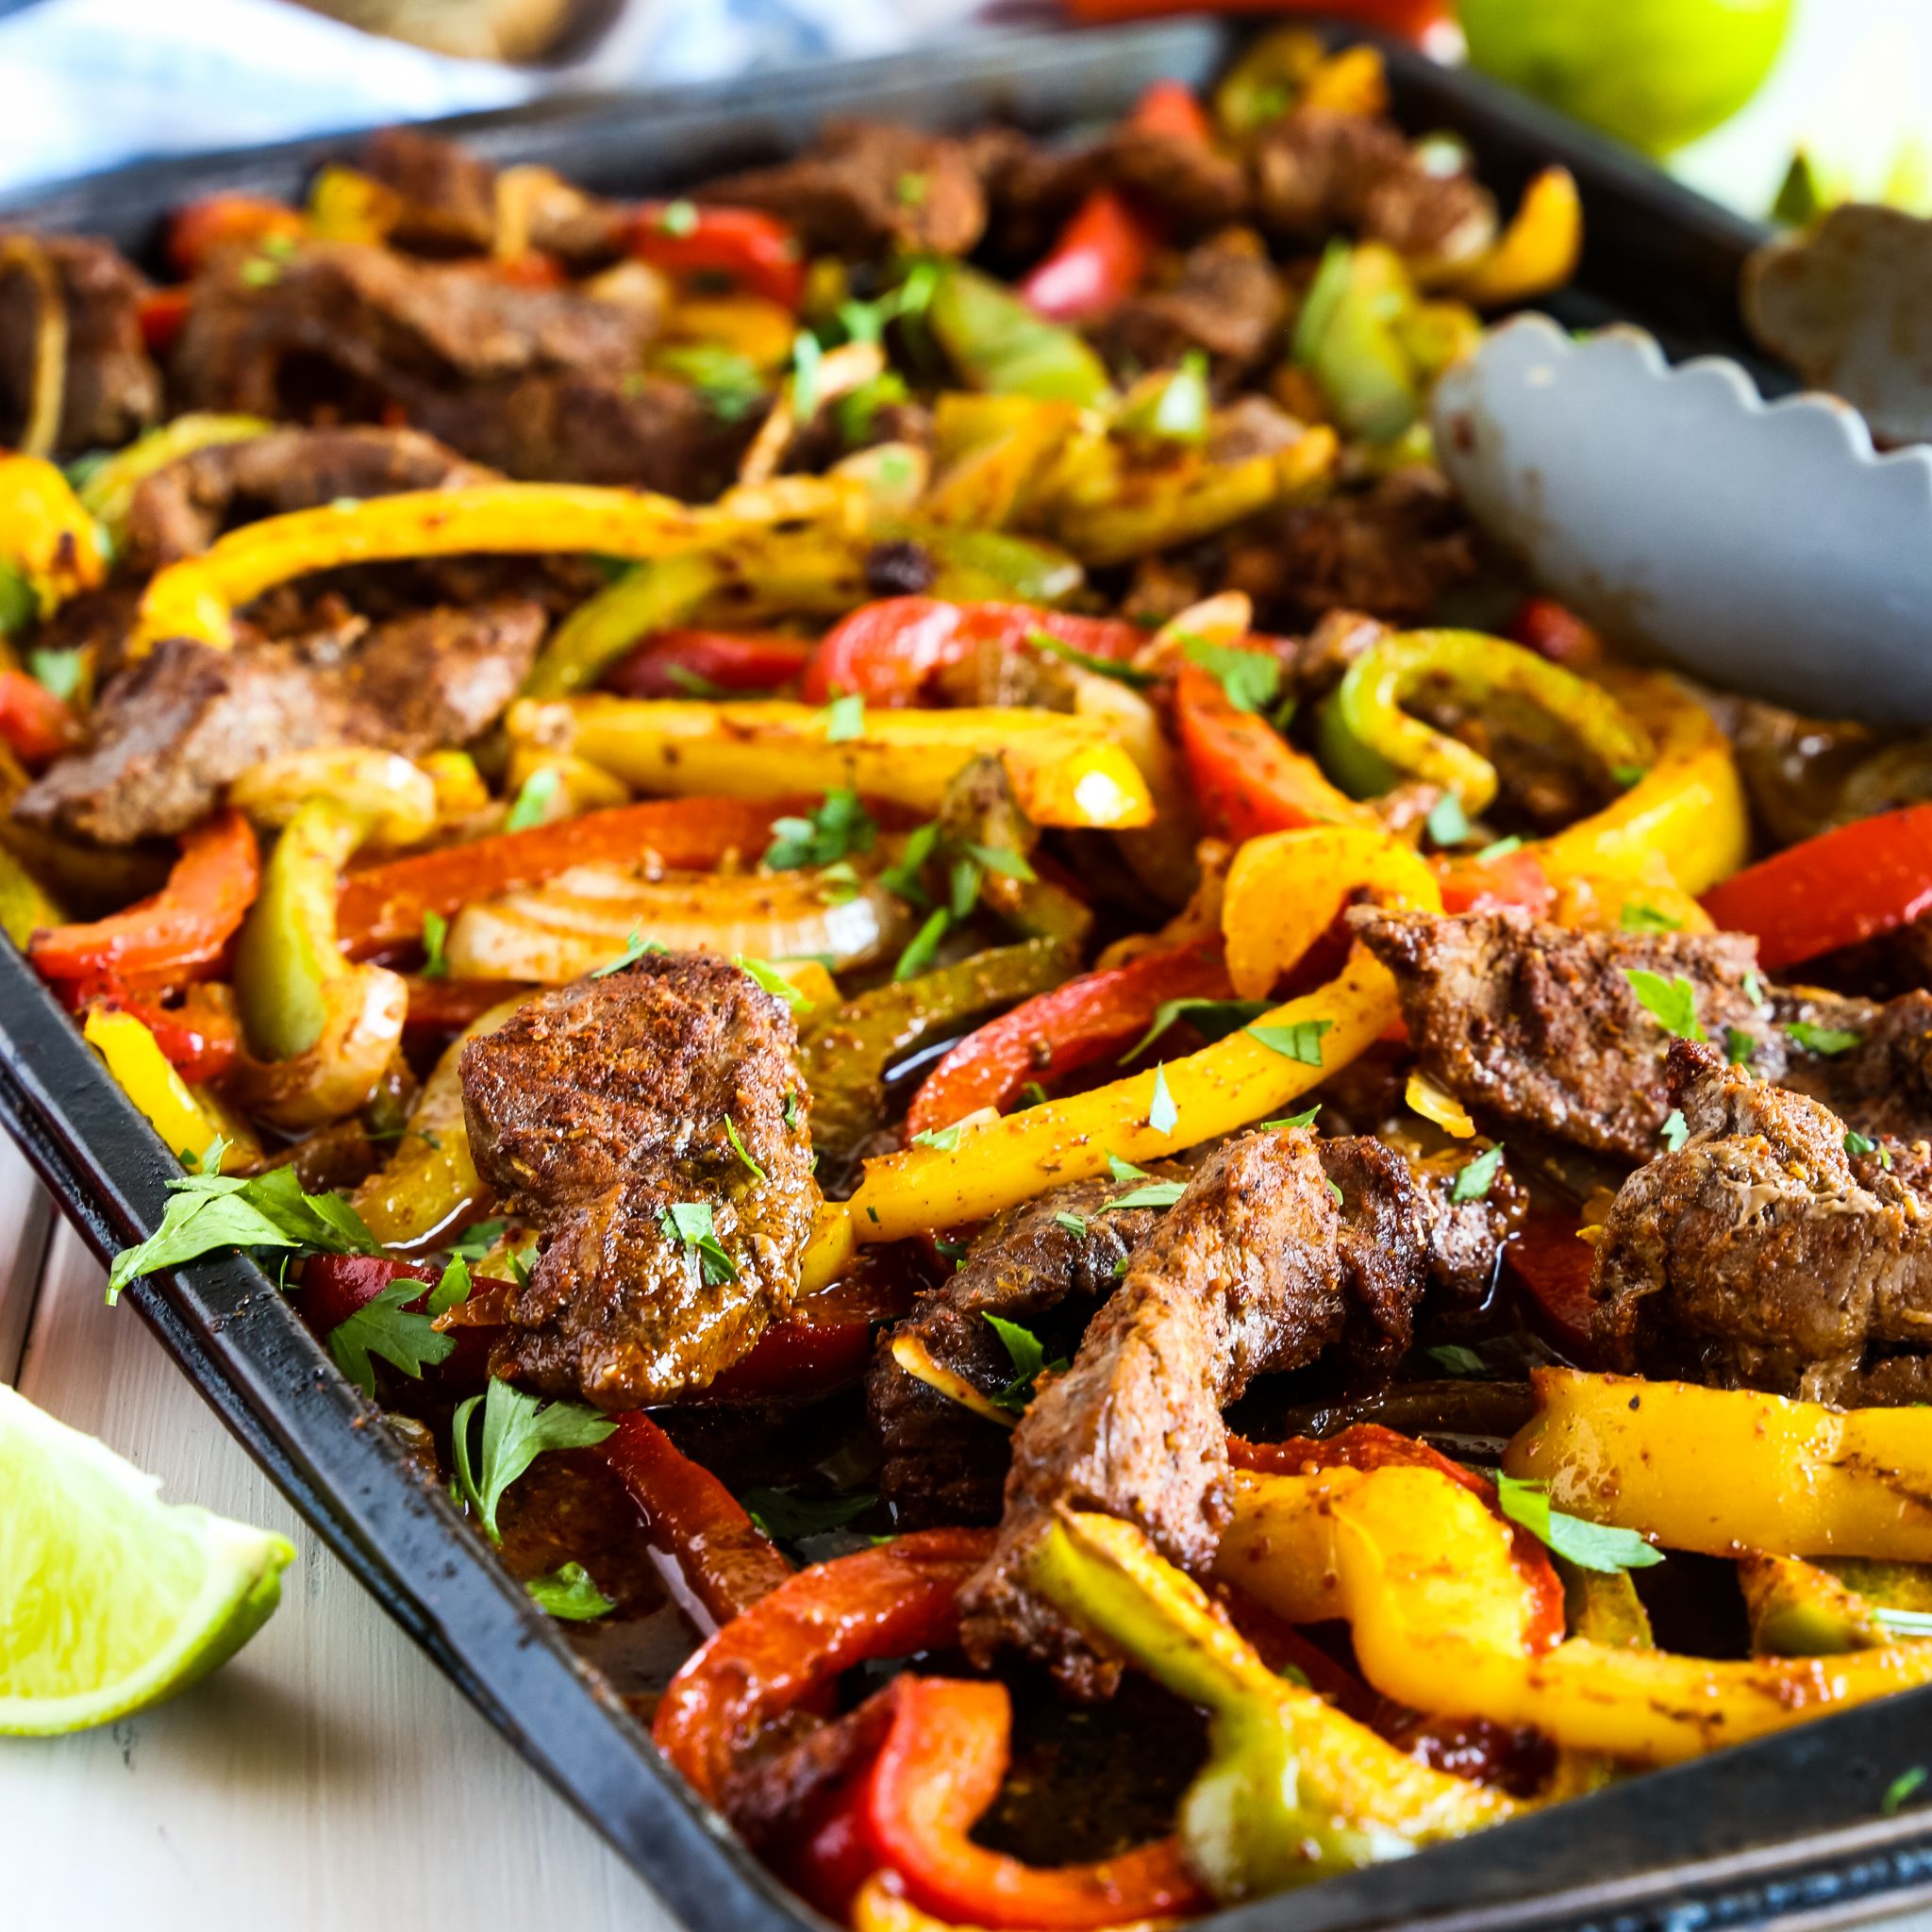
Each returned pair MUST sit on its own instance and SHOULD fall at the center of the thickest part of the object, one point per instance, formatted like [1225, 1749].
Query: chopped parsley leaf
[1473, 1182]
[1672, 1003]
[517, 1428]
[1829, 1040]
[1588, 1545]
[1300, 1041]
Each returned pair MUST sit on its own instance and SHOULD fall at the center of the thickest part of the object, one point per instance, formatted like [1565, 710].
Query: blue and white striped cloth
[89, 84]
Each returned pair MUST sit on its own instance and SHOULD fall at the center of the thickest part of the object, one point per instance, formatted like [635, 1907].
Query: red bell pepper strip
[334, 1286]
[200, 1037]
[1515, 878]
[1369, 1445]
[891, 1601]
[162, 316]
[941, 1766]
[1246, 777]
[677, 663]
[1838, 890]
[1169, 107]
[1099, 261]
[196, 232]
[447, 1006]
[757, 251]
[1074, 1025]
[36, 724]
[383, 906]
[887, 652]
[797, 1356]
[181, 930]
[1551, 630]
[1552, 1268]
[728, 1564]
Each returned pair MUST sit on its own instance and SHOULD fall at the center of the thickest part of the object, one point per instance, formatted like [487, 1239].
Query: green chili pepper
[999, 343]
[1367, 741]
[845, 1059]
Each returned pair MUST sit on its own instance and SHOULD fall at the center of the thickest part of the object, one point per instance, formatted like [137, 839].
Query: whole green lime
[1656, 73]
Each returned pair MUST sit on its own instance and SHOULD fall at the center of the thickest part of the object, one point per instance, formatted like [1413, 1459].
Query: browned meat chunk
[1193, 187]
[868, 189]
[1226, 300]
[1319, 170]
[172, 730]
[1280, 1248]
[944, 1463]
[1762, 1255]
[1882, 1083]
[599, 1111]
[1390, 550]
[181, 508]
[113, 390]
[1539, 1025]
[540, 383]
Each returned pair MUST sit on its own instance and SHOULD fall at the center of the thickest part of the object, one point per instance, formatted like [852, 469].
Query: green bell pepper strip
[1348, 338]
[1293, 1789]
[650, 596]
[287, 955]
[999, 343]
[1367, 741]
[844, 1058]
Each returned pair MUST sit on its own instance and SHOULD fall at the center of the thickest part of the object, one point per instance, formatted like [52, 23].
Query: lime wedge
[111, 1599]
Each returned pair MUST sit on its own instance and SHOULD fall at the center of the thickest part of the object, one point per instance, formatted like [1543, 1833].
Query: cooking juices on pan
[1127, 1188]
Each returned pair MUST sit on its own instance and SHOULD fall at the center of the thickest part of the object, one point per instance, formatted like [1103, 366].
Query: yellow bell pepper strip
[989, 450]
[108, 494]
[1539, 251]
[47, 366]
[1066, 771]
[997, 342]
[196, 597]
[1421, 1569]
[1246, 1077]
[46, 536]
[1293, 1789]
[653, 597]
[395, 799]
[1685, 810]
[430, 1187]
[1285, 890]
[320, 1030]
[1367, 741]
[880, 1905]
[1727, 1470]
[189, 1121]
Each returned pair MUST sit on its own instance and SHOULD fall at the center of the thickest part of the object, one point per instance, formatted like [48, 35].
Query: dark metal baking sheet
[1788, 1829]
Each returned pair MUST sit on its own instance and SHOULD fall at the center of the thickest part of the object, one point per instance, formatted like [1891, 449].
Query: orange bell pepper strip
[1240, 1080]
[727, 1562]
[1550, 1264]
[1246, 777]
[757, 251]
[36, 724]
[942, 1765]
[1845, 887]
[1170, 106]
[382, 905]
[1059, 1032]
[893, 1600]
[177, 933]
[200, 1037]
[887, 653]
[1512, 878]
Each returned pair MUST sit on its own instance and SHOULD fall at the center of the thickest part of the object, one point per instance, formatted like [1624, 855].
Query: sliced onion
[47, 392]
[584, 919]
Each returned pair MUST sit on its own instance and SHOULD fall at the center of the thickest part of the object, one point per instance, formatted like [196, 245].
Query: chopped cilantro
[1163, 1116]
[1753, 988]
[58, 672]
[1902, 1790]
[533, 800]
[1740, 1048]
[944, 1139]
[791, 1112]
[1473, 1182]
[727, 381]
[1829, 1040]
[1447, 823]
[785, 1515]
[739, 1148]
[635, 947]
[1210, 1019]
[1501, 849]
[1250, 679]
[1032, 1095]
[1335, 1190]
[805, 357]
[680, 218]
[1302, 1040]
[384, 1326]
[1638, 916]
[517, 1428]
[475, 1243]
[1028, 1359]
[691, 1223]
[844, 719]
[1857, 1144]
[1120, 671]
[1675, 1129]
[919, 952]
[1075, 1225]
[1305, 1119]
[1155, 1195]
[1672, 1003]
[840, 826]
[1454, 1359]
[1588, 1545]
[772, 980]
[435, 935]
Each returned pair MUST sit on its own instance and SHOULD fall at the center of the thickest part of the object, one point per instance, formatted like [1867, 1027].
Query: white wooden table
[329, 1776]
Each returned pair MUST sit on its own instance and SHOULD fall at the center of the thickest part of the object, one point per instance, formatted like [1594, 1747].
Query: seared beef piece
[595, 1110]
[868, 189]
[172, 730]
[1465, 1237]
[1226, 300]
[798, 1762]
[540, 383]
[1758, 1255]
[1193, 187]
[448, 199]
[1540, 1026]
[1318, 170]
[1256, 1268]
[1883, 1085]
[113, 390]
[944, 1463]
[1391, 550]
[180, 508]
